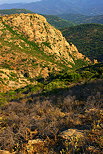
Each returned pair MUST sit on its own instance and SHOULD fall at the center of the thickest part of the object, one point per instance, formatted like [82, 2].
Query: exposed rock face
[12, 79]
[37, 29]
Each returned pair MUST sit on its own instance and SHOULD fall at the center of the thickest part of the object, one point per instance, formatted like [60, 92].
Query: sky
[16, 1]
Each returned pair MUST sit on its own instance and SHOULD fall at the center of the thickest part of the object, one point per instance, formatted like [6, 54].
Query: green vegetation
[36, 49]
[58, 22]
[80, 19]
[88, 38]
[65, 101]
[14, 11]
[5, 65]
[55, 81]
[47, 44]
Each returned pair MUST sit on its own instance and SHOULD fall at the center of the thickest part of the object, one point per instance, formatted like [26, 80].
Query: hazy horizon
[85, 7]
[15, 1]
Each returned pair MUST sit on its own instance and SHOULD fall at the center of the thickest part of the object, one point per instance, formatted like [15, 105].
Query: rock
[92, 149]
[5, 152]
[95, 61]
[34, 146]
[36, 141]
[73, 138]
[72, 133]
[1, 33]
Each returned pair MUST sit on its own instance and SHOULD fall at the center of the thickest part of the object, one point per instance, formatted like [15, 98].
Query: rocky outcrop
[12, 79]
[37, 29]
[29, 48]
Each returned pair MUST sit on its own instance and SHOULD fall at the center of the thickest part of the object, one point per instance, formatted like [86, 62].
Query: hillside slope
[31, 47]
[58, 22]
[88, 38]
[80, 19]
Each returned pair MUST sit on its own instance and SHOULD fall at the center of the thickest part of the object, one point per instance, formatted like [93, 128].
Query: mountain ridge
[52, 19]
[60, 7]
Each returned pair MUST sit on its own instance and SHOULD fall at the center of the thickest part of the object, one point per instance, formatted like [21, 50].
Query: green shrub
[87, 74]
[55, 84]
[73, 76]
[1, 79]
[11, 93]
[5, 65]
[13, 74]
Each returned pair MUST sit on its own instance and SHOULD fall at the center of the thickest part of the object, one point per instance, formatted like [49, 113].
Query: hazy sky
[16, 1]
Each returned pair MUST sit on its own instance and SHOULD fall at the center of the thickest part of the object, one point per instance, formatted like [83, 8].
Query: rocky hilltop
[31, 47]
[37, 29]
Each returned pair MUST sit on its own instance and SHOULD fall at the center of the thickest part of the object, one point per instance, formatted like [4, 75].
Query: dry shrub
[42, 116]
[49, 119]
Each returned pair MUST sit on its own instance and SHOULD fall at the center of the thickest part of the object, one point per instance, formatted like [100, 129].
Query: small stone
[72, 133]
[36, 141]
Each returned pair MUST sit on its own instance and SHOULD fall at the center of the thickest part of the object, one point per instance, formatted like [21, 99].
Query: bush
[74, 76]
[55, 84]
[50, 116]
[87, 74]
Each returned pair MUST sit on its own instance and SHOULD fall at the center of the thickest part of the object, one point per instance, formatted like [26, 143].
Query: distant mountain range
[62, 20]
[86, 7]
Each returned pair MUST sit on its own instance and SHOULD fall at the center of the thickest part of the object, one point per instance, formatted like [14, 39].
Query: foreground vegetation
[34, 117]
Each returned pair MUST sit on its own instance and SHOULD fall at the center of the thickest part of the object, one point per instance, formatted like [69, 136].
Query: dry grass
[45, 118]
